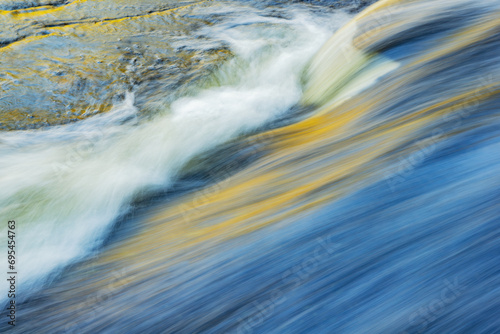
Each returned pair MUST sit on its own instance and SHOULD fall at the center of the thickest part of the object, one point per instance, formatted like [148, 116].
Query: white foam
[66, 185]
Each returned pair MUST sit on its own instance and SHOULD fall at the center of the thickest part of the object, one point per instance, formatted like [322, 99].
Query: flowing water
[239, 167]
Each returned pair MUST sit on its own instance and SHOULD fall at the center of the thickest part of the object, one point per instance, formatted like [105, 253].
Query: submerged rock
[62, 61]
[67, 61]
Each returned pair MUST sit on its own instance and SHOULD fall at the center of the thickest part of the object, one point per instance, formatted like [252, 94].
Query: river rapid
[252, 167]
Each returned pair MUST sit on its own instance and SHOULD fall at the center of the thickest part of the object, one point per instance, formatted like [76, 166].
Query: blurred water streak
[355, 191]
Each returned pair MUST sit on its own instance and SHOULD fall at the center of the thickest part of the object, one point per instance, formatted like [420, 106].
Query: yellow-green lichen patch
[63, 63]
